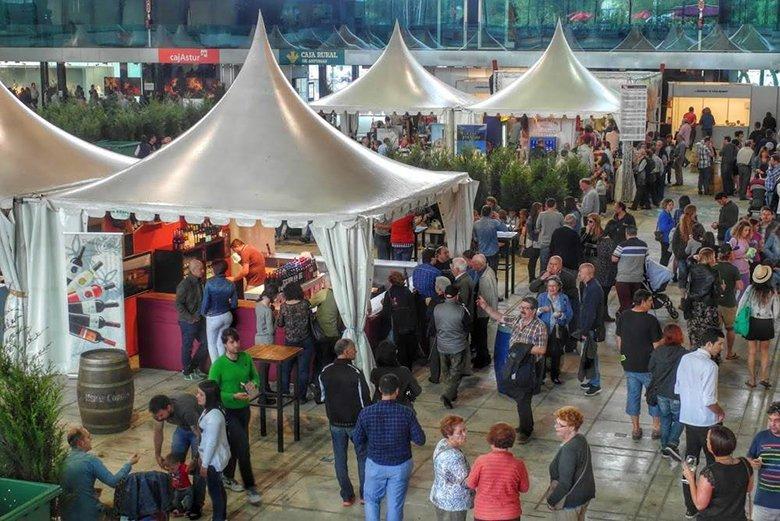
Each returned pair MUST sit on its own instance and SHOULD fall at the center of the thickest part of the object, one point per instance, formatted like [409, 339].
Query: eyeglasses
[559, 425]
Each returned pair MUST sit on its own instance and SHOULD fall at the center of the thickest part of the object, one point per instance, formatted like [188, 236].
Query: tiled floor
[633, 482]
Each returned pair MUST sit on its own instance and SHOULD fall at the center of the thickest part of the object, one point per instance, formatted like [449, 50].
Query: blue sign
[550, 143]
[471, 136]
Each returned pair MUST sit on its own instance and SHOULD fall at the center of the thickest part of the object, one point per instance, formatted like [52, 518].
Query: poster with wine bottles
[94, 279]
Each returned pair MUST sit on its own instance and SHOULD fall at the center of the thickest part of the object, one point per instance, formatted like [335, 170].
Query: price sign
[633, 112]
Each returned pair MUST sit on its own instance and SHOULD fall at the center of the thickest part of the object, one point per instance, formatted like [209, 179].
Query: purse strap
[582, 475]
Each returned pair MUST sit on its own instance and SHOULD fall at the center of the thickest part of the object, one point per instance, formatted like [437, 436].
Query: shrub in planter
[475, 164]
[572, 170]
[516, 186]
[550, 183]
[499, 162]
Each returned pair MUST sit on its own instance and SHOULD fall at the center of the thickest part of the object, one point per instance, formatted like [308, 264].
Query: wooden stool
[276, 354]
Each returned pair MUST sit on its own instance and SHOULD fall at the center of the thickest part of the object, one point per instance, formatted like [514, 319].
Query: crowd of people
[447, 320]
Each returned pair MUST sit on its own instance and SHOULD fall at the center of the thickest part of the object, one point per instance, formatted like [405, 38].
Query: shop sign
[300, 57]
[188, 56]
[633, 112]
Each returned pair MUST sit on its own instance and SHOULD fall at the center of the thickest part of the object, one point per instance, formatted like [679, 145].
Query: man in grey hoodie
[452, 323]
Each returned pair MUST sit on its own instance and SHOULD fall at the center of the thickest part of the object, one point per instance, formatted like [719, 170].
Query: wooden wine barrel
[105, 391]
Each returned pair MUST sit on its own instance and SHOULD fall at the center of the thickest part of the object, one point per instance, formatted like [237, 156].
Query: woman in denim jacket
[219, 299]
[554, 309]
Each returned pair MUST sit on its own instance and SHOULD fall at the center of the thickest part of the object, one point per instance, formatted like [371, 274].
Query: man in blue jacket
[591, 305]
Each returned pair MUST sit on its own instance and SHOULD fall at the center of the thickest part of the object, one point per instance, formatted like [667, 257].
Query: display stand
[508, 264]
[272, 354]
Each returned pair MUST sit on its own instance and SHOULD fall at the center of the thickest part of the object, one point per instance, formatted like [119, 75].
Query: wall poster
[94, 279]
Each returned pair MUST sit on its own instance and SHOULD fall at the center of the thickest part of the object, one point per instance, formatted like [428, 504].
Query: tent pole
[450, 131]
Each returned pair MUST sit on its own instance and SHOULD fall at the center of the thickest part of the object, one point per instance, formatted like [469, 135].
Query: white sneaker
[232, 484]
[253, 497]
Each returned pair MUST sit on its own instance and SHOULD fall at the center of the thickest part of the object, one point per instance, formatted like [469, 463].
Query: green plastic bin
[26, 500]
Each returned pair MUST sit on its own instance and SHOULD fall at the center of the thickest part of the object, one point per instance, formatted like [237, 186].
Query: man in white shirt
[697, 385]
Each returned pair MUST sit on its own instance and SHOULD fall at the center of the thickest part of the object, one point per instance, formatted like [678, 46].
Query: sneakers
[665, 453]
[593, 391]
[189, 376]
[200, 374]
[446, 401]
[637, 434]
[691, 515]
[585, 386]
[252, 496]
[232, 484]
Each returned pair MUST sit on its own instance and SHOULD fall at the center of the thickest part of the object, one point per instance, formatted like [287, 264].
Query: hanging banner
[633, 112]
[188, 56]
[301, 57]
[94, 279]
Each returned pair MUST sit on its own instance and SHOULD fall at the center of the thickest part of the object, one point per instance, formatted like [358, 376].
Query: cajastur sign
[188, 56]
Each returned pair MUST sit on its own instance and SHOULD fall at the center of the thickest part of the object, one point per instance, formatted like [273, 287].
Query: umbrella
[580, 16]
[644, 14]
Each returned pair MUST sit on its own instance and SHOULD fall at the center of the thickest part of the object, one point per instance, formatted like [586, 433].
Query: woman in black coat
[400, 305]
[387, 363]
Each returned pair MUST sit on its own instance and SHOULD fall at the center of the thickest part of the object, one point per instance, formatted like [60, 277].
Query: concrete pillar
[62, 83]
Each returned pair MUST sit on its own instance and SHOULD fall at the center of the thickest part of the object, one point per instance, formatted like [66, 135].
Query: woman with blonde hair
[682, 235]
[703, 291]
[589, 237]
[742, 243]
[449, 494]
[572, 485]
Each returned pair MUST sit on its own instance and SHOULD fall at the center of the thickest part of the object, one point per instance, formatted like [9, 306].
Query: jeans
[190, 332]
[682, 273]
[182, 441]
[671, 428]
[386, 480]
[238, 438]
[304, 366]
[544, 256]
[341, 436]
[765, 514]
[705, 178]
[383, 248]
[634, 384]
[452, 367]
[402, 254]
[215, 325]
[217, 494]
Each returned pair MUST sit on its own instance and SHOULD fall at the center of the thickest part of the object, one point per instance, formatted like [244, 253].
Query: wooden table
[276, 354]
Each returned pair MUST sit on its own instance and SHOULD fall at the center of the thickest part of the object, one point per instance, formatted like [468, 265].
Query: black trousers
[479, 342]
[695, 442]
[238, 438]
[555, 349]
[744, 180]
[533, 259]
[665, 254]
[524, 411]
[407, 348]
[434, 364]
[727, 175]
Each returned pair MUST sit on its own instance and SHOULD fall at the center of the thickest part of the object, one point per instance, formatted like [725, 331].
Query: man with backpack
[527, 344]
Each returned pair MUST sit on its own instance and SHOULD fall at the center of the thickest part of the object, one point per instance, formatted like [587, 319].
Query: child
[182, 486]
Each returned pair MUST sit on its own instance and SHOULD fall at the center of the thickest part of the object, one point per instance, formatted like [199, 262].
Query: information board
[633, 112]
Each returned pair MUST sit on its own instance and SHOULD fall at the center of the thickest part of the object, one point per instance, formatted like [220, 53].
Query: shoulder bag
[554, 485]
[742, 320]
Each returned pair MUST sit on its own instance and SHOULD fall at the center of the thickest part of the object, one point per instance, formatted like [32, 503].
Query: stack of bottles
[300, 270]
[192, 235]
[85, 302]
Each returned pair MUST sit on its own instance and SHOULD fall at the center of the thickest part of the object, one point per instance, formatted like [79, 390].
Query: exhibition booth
[259, 157]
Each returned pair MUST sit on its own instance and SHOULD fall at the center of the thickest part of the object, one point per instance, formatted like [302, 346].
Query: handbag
[554, 484]
[742, 321]
[316, 330]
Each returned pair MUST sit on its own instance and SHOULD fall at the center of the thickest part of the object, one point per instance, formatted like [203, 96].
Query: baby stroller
[757, 199]
[657, 277]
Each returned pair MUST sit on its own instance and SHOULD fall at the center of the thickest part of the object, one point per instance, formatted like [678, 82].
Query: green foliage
[32, 444]
[516, 182]
[108, 120]
[475, 164]
[573, 170]
[550, 184]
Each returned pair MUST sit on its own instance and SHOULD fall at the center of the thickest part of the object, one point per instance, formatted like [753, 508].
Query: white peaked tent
[396, 82]
[635, 41]
[262, 154]
[36, 157]
[556, 86]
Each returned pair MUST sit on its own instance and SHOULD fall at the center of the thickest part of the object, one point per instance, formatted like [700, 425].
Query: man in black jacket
[590, 319]
[727, 216]
[345, 393]
[189, 294]
[566, 243]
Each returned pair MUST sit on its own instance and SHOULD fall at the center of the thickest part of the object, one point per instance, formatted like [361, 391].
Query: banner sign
[94, 279]
[188, 56]
[301, 57]
[471, 136]
[633, 112]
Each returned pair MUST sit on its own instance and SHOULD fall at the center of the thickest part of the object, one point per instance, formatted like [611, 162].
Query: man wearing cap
[727, 216]
[451, 323]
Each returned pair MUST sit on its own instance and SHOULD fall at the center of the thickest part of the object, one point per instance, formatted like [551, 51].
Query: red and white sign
[188, 56]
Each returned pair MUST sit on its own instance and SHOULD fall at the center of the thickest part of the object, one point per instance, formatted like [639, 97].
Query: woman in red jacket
[402, 237]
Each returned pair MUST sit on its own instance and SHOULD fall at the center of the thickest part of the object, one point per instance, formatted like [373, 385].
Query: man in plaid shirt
[526, 329]
[705, 154]
[772, 178]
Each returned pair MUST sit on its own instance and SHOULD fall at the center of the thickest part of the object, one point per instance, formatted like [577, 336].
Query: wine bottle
[91, 321]
[90, 335]
[84, 278]
[91, 307]
[89, 293]
[76, 264]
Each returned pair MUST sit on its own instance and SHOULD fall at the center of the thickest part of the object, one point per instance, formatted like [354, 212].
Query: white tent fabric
[555, 86]
[38, 156]
[261, 153]
[455, 207]
[14, 306]
[396, 82]
[348, 250]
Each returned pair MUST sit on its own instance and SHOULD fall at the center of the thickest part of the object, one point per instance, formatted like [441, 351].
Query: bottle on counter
[91, 307]
[90, 335]
[91, 321]
[76, 264]
[89, 293]
[84, 278]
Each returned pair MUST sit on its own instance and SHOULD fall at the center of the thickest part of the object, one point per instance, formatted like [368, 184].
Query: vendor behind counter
[252, 264]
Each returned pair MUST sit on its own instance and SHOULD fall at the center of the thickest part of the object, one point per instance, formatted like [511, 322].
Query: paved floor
[633, 482]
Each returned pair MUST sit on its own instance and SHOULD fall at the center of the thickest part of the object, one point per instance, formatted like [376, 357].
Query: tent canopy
[396, 82]
[261, 153]
[635, 41]
[557, 85]
[716, 41]
[38, 156]
[748, 38]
